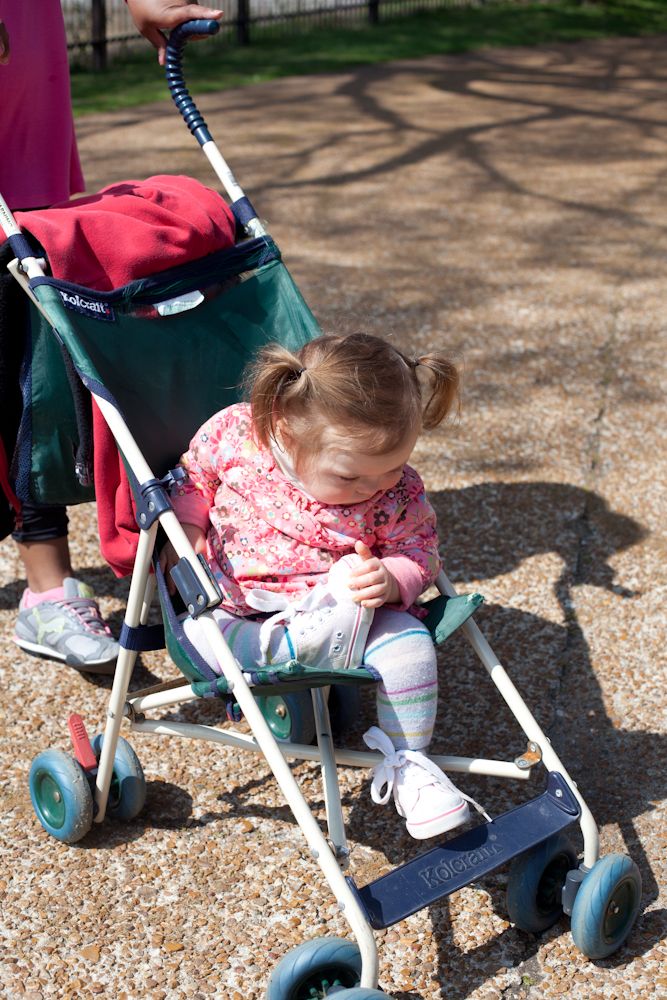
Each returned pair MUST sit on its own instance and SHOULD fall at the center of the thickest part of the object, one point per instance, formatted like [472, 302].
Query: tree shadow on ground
[582, 105]
[569, 105]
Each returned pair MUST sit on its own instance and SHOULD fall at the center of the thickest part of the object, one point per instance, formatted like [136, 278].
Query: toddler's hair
[357, 382]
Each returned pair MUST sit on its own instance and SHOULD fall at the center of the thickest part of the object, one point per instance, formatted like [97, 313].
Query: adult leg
[43, 546]
[58, 617]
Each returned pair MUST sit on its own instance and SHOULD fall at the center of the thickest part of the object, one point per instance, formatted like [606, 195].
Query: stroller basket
[247, 293]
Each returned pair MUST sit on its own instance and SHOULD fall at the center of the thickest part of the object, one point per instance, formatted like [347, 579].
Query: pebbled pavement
[509, 206]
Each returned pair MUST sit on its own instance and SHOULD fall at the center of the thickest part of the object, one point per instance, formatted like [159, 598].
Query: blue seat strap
[141, 638]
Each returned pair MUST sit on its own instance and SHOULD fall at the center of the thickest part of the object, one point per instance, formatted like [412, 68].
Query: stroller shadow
[167, 807]
[513, 522]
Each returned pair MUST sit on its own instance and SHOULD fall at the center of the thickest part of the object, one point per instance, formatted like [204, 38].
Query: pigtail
[274, 378]
[358, 383]
[445, 390]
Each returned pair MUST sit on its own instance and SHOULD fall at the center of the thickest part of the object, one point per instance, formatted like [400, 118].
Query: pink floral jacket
[264, 531]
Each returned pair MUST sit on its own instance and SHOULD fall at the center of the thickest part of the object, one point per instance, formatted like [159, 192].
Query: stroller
[226, 305]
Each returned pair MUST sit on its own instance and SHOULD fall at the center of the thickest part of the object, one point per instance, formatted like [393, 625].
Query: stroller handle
[244, 212]
[175, 81]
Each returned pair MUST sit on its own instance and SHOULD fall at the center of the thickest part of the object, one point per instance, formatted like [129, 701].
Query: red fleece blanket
[126, 231]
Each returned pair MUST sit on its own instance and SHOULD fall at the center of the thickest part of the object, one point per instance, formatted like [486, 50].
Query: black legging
[40, 522]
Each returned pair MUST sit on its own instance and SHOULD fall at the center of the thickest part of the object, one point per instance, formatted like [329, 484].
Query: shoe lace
[87, 612]
[384, 774]
[284, 608]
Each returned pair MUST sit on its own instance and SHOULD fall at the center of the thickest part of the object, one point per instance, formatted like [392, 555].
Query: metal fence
[98, 29]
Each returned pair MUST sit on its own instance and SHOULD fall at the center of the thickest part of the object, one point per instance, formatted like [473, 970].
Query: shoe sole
[423, 831]
[106, 667]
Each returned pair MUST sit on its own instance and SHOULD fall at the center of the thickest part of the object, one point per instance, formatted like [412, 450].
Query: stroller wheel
[606, 906]
[324, 967]
[127, 792]
[535, 882]
[61, 796]
[290, 716]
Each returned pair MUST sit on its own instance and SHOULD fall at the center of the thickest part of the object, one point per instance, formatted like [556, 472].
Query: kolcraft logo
[88, 307]
[439, 874]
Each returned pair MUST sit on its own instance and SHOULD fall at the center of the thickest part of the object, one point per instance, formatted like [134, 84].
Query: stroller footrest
[464, 859]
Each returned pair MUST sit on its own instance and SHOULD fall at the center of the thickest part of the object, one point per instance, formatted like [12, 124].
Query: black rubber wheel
[535, 884]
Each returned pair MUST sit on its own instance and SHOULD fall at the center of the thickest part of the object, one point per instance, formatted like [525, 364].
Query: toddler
[321, 538]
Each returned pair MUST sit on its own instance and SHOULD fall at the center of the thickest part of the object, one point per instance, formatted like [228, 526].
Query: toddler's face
[341, 473]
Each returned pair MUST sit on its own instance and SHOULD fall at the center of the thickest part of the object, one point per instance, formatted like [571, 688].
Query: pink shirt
[264, 531]
[39, 163]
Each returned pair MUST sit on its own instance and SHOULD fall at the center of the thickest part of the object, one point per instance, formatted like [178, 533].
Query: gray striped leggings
[399, 651]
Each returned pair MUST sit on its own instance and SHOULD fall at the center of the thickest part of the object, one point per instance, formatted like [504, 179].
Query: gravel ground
[510, 206]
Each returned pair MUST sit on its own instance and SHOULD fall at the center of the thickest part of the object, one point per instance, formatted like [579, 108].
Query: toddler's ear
[282, 433]
[339, 577]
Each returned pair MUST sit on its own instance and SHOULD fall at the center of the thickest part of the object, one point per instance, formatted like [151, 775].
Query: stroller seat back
[170, 350]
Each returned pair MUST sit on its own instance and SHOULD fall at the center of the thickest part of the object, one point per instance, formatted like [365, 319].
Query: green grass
[217, 64]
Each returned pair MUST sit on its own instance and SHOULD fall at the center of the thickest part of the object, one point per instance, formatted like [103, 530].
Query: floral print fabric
[264, 531]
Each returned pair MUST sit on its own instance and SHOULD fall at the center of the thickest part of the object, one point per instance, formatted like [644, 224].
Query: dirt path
[509, 205]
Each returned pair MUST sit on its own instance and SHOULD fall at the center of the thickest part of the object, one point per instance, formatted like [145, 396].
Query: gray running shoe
[71, 630]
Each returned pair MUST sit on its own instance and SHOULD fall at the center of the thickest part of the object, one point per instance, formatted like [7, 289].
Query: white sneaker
[423, 794]
[323, 629]
[430, 803]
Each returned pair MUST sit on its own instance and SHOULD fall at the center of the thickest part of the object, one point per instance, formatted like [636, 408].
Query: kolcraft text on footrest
[464, 859]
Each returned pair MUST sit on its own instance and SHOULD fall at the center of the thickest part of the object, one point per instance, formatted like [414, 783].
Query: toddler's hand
[371, 583]
[169, 558]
